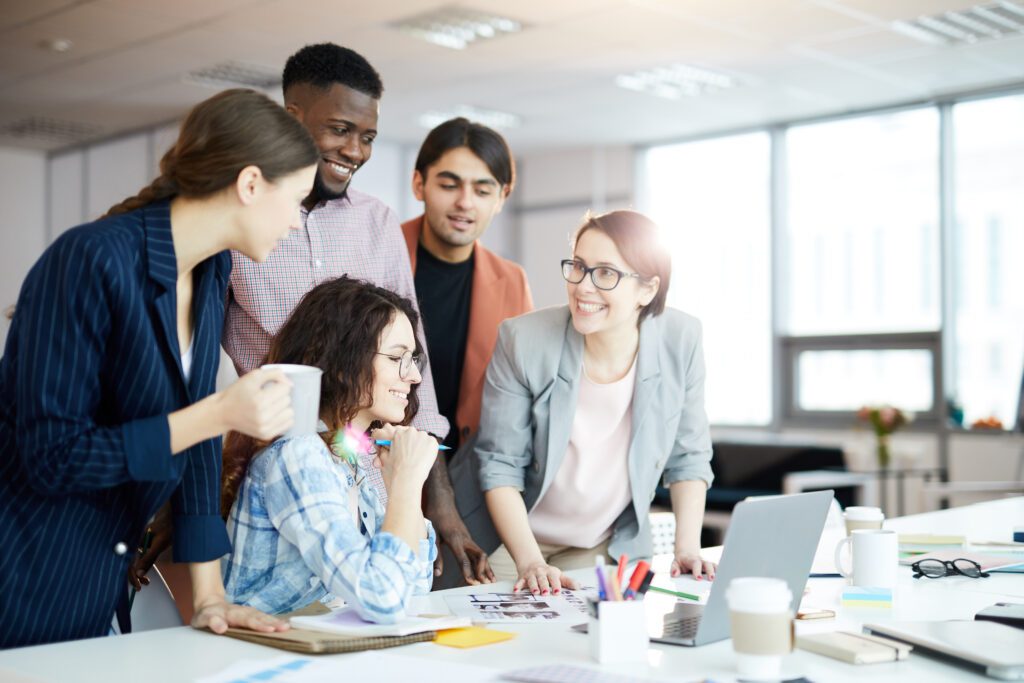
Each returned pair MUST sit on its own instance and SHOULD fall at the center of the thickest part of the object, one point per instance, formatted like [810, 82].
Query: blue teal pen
[387, 443]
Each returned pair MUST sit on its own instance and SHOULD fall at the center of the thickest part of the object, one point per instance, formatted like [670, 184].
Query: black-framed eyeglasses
[936, 569]
[603, 277]
[406, 361]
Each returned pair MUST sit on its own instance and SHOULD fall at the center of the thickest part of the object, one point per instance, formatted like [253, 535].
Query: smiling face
[343, 123]
[596, 311]
[390, 393]
[461, 197]
[272, 211]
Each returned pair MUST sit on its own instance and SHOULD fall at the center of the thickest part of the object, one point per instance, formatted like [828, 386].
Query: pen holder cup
[618, 632]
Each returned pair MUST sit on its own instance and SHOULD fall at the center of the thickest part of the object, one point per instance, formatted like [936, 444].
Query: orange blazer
[500, 291]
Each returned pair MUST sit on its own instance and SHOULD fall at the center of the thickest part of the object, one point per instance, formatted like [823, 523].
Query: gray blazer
[527, 413]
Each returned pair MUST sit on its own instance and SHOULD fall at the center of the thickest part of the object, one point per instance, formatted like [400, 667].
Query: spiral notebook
[318, 642]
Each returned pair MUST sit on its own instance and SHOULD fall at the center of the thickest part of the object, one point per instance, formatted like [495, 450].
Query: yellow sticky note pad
[472, 636]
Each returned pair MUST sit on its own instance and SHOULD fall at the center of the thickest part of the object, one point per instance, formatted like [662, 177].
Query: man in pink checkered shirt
[336, 94]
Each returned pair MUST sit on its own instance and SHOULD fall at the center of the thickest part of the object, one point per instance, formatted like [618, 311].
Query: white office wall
[115, 170]
[66, 192]
[556, 189]
[22, 222]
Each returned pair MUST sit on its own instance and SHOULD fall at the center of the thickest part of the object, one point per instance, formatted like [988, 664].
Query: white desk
[182, 654]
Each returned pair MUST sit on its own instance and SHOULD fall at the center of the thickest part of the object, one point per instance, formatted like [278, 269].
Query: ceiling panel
[794, 58]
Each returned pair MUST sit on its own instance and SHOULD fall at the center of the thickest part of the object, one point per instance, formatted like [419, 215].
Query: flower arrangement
[884, 420]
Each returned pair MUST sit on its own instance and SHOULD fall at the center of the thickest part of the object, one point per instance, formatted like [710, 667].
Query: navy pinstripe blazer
[90, 372]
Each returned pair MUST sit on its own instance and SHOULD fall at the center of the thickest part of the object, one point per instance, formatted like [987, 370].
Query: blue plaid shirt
[295, 540]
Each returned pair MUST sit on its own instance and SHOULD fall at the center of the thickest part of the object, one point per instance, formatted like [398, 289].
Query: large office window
[862, 260]
[988, 256]
[861, 314]
[712, 200]
[862, 231]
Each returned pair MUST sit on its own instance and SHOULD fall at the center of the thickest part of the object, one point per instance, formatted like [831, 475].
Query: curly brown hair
[337, 327]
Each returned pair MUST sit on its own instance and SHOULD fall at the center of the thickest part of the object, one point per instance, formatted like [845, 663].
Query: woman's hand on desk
[218, 614]
[540, 577]
[691, 563]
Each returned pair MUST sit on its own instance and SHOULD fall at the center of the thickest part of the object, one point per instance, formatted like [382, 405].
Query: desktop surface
[183, 654]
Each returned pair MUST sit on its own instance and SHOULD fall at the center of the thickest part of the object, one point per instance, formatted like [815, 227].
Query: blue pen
[387, 443]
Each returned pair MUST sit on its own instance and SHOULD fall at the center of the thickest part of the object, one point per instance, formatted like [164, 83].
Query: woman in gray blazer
[585, 407]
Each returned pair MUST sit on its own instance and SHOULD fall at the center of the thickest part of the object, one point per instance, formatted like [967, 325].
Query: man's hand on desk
[689, 562]
[452, 531]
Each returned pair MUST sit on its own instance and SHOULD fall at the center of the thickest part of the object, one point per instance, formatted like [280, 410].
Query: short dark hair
[324, 64]
[637, 239]
[484, 142]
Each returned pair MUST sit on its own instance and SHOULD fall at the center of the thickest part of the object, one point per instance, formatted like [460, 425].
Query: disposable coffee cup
[761, 625]
[863, 518]
[305, 396]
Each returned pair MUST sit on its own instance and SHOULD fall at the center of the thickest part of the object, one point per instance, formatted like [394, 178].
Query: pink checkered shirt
[358, 236]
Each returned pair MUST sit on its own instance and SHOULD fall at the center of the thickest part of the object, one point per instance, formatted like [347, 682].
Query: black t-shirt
[444, 291]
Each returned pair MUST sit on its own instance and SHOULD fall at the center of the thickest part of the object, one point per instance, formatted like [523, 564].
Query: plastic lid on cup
[758, 594]
[863, 514]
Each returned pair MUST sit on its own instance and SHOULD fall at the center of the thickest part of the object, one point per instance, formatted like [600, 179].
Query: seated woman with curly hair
[305, 522]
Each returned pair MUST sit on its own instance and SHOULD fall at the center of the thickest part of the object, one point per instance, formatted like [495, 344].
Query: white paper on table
[520, 608]
[362, 666]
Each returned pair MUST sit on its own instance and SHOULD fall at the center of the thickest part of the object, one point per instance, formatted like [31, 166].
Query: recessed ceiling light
[56, 44]
[487, 117]
[457, 27]
[675, 81]
[991, 21]
[235, 75]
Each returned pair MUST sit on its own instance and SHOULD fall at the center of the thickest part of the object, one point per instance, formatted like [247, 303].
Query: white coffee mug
[305, 395]
[875, 558]
[859, 517]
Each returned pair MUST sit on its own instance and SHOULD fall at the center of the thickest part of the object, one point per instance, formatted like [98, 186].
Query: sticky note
[473, 636]
[855, 596]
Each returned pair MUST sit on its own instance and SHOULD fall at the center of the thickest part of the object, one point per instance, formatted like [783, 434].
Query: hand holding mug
[259, 404]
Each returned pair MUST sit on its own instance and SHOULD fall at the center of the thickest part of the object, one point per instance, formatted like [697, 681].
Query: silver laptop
[774, 537]
[996, 650]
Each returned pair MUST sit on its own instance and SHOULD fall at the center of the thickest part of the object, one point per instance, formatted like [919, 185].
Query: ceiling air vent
[235, 75]
[457, 27]
[990, 21]
[45, 129]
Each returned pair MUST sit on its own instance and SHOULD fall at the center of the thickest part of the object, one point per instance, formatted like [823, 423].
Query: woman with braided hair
[107, 403]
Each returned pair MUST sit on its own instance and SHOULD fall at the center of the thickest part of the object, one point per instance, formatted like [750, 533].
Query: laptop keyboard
[681, 628]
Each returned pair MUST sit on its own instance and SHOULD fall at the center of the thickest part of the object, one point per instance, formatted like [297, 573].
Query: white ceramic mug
[305, 396]
[875, 558]
[761, 625]
[859, 517]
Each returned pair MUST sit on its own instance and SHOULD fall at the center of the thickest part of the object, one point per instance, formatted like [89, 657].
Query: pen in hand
[387, 444]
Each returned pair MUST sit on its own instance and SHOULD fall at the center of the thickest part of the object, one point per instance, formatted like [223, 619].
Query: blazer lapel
[486, 311]
[162, 267]
[562, 403]
[208, 312]
[642, 440]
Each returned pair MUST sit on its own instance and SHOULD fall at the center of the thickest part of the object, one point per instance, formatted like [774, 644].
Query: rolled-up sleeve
[504, 445]
[691, 449]
[308, 504]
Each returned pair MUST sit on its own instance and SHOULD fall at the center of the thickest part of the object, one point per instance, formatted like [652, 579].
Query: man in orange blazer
[464, 173]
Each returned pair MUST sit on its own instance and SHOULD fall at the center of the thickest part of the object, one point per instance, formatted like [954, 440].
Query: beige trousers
[565, 557]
